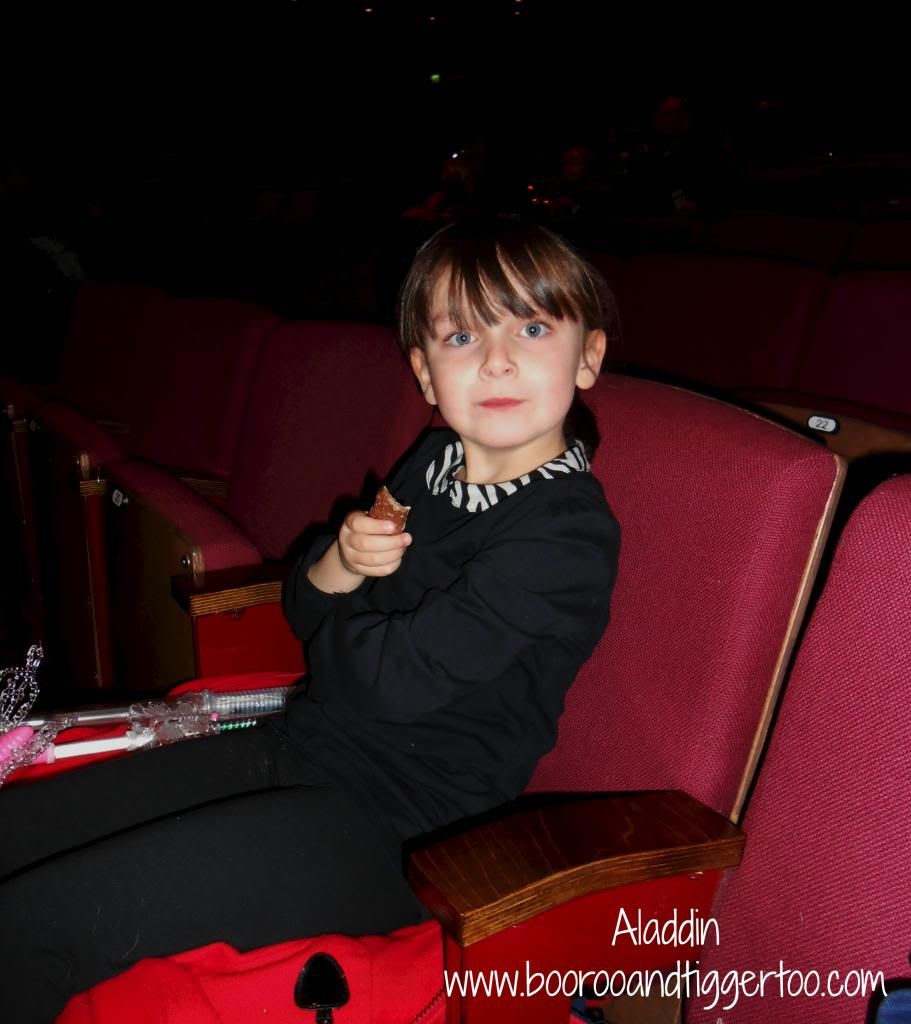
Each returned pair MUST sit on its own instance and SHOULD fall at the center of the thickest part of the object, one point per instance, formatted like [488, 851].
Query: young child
[439, 660]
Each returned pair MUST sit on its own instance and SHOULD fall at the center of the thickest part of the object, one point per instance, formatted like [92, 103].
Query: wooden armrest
[852, 437]
[230, 589]
[493, 875]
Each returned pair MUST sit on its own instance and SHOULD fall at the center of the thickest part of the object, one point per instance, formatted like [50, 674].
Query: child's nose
[497, 360]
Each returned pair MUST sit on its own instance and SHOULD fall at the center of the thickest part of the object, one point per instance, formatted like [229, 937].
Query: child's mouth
[500, 403]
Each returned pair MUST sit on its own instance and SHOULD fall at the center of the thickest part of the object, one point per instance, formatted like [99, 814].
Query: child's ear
[422, 372]
[593, 349]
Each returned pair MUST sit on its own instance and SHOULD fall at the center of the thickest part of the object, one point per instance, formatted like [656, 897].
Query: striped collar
[478, 497]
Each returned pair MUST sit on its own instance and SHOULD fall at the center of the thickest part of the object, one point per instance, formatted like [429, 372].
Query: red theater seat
[855, 370]
[824, 883]
[638, 235]
[723, 515]
[186, 385]
[95, 382]
[860, 349]
[101, 362]
[196, 384]
[813, 241]
[610, 267]
[329, 404]
[725, 322]
[96, 365]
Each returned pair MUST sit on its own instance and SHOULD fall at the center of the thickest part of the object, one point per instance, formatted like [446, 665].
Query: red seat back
[814, 241]
[881, 244]
[721, 515]
[610, 267]
[98, 368]
[861, 347]
[330, 403]
[824, 884]
[195, 375]
[728, 322]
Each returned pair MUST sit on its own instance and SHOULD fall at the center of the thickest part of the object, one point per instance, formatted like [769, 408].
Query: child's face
[505, 389]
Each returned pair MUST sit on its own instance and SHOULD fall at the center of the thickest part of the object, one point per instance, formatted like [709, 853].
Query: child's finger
[377, 567]
[386, 570]
[360, 522]
[371, 543]
[380, 563]
[372, 560]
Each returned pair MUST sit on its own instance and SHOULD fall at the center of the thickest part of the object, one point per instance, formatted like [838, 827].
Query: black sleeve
[304, 605]
[546, 582]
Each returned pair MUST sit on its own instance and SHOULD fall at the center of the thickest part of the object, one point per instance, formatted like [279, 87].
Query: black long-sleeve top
[436, 690]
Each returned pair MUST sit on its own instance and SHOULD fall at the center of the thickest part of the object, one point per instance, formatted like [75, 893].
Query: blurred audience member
[461, 188]
[678, 170]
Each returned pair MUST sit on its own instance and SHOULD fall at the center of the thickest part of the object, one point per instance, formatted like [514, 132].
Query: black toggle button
[321, 986]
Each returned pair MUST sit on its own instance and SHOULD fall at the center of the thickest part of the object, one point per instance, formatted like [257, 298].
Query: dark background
[102, 100]
[268, 150]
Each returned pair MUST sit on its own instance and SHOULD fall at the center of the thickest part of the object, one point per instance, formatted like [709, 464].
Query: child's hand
[370, 547]
[365, 547]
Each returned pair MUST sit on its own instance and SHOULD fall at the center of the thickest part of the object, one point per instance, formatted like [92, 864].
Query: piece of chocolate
[386, 507]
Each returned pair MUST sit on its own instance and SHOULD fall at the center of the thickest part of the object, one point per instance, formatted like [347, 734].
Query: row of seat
[724, 518]
[236, 429]
[752, 313]
[828, 353]
[829, 245]
[247, 411]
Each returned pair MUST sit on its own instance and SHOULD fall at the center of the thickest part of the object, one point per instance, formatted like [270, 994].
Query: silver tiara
[19, 689]
[19, 692]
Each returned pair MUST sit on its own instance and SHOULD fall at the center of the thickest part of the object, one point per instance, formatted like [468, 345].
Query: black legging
[232, 838]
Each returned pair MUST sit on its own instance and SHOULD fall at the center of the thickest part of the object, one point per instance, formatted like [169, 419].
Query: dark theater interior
[207, 213]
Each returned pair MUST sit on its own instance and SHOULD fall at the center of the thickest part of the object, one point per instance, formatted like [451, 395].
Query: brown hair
[496, 264]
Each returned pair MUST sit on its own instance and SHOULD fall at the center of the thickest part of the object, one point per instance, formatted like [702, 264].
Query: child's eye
[459, 339]
[534, 330]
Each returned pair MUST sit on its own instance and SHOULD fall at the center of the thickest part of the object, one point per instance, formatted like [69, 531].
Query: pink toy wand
[151, 723]
[14, 744]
